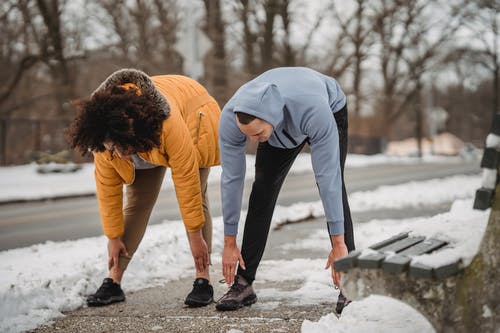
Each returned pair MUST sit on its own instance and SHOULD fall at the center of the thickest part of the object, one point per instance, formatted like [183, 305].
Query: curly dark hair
[118, 115]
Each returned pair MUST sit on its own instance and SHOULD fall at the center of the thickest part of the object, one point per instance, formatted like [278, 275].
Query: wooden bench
[453, 297]
[394, 255]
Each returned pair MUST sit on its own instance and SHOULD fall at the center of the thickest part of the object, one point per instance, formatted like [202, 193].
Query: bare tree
[485, 23]
[38, 27]
[118, 12]
[52, 47]
[289, 53]
[266, 34]
[14, 62]
[258, 33]
[168, 18]
[266, 42]
[411, 37]
[249, 37]
[215, 60]
[467, 97]
[145, 32]
[352, 47]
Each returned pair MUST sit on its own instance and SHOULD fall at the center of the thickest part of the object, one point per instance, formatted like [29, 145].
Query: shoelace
[236, 288]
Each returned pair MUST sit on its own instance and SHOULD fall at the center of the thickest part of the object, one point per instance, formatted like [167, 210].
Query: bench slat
[426, 246]
[405, 248]
[396, 264]
[447, 270]
[401, 261]
[372, 260]
[421, 271]
[348, 262]
[402, 244]
[391, 240]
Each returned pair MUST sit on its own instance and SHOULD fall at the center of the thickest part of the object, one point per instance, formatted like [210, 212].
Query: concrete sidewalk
[162, 310]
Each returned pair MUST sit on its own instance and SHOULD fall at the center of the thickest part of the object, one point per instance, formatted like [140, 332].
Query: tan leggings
[141, 198]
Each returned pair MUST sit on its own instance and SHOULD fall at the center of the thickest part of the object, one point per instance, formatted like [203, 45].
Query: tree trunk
[417, 105]
[64, 84]
[267, 44]
[215, 60]
[288, 52]
[248, 39]
[496, 86]
[358, 59]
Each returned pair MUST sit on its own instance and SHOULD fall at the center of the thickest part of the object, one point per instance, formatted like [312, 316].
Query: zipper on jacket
[289, 137]
[198, 128]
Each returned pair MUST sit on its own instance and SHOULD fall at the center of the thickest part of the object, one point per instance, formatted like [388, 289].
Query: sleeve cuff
[230, 229]
[335, 228]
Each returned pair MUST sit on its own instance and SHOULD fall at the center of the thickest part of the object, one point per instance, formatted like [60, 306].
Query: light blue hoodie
[299, 103]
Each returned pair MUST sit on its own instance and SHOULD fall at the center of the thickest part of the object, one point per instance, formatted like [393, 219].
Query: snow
[462, 227]
[493, 141]
[489, 178]
[39, 282]
[368, 315]
[411, 194]
[24, 183]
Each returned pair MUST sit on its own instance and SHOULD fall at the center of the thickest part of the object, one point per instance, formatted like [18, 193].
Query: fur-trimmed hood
[143, 83]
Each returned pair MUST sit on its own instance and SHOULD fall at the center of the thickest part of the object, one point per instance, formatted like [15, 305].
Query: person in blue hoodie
[282, 109]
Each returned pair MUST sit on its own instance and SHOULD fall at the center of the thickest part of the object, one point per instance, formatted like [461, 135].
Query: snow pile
[25, 183]
[372, 314]
[411, 194]
[39, 282]
[416, 194]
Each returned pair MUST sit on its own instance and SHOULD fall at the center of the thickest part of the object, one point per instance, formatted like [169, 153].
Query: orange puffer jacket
[189, 141]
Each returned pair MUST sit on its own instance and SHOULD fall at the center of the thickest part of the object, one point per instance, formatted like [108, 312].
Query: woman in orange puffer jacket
[136, 126]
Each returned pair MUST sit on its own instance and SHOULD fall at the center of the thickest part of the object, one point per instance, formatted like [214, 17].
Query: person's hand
[199, 250]
[339, 250]
[115, 247]
[230, 257]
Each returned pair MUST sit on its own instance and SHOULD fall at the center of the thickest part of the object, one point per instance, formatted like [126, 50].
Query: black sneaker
[201, 295]
[239, 294]
[109, 292]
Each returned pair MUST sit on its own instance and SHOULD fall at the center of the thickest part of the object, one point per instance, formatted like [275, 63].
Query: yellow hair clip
[128, 86]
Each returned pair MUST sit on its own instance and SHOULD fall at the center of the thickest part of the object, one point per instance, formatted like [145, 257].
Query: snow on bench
[394, 255]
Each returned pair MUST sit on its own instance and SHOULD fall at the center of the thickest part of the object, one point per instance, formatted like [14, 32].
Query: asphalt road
[24, 224]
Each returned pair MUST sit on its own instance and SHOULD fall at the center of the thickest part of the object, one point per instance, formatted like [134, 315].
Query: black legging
[271, 167]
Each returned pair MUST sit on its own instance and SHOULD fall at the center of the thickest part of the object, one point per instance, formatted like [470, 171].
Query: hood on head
[262, 100]
[126, 76]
